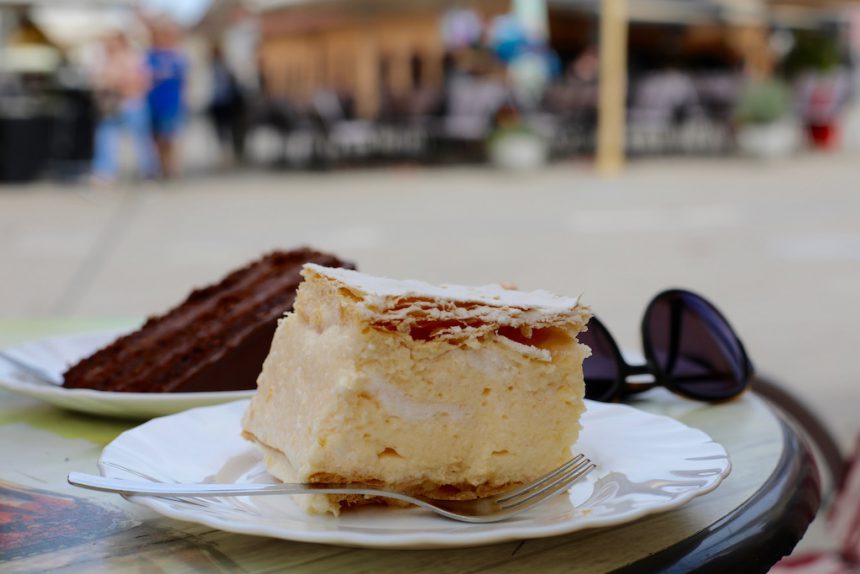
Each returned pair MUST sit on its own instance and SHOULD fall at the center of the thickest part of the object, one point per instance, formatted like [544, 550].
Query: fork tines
[547, 485]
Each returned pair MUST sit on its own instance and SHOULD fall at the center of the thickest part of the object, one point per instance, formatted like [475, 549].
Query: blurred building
[367, 48]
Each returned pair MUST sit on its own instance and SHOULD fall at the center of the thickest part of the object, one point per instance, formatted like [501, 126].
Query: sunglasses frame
[623, 388]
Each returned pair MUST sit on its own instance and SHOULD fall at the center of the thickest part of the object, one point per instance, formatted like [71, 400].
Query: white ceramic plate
[54, 355]
[645, 464]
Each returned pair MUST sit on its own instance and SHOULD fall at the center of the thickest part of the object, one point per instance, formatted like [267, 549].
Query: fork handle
[130, 487]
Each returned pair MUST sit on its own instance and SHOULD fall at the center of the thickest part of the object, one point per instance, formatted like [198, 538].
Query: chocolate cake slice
[216, 340]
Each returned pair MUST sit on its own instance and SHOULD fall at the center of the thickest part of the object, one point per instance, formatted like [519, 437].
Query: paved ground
[776, 245]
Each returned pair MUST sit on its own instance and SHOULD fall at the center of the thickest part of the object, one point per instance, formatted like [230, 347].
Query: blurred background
[202, 85]
[606, 147]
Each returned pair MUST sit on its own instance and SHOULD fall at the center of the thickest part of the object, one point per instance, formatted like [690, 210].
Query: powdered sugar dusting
[383, 292]
[454, 313]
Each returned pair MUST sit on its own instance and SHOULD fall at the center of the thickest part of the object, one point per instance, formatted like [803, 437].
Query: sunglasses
[689, 346]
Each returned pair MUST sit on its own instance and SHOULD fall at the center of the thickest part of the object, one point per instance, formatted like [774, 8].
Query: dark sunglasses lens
[694, 347]
[601, 368]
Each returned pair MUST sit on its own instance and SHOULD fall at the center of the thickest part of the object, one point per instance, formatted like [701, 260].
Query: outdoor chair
[661, 104]
[471, 107]
[295, 128]
[344, 137]
[843, 494]
[406, 120]
[843, 523]
[718, 94]
[572, 105]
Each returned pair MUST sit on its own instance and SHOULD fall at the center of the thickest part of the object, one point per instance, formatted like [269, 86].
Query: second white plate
[646, 463]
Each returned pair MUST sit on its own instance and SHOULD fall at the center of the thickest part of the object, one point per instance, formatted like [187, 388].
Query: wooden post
[367, 75]
[613, 86]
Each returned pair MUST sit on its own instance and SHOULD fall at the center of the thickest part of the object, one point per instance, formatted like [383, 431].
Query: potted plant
[514, 145]
[765, 128]
[813, 62]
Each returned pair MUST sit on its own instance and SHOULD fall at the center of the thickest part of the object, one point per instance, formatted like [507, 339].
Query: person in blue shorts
[168, 68]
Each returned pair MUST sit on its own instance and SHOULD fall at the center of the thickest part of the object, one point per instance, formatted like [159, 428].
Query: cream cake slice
[440, 391]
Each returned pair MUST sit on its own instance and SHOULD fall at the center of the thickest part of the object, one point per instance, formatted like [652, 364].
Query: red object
[823, 136]
[844, 515]
[812, 563]
[844, 525]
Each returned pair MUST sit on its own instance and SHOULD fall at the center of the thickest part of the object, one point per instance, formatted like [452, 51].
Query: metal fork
[489, 509]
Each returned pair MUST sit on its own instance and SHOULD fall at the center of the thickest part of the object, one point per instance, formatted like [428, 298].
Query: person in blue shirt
[168, 68]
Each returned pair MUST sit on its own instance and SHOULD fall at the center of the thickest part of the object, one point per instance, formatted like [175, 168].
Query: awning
[679, 11]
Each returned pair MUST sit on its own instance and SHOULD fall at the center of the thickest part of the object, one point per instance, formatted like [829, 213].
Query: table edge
[760, 531]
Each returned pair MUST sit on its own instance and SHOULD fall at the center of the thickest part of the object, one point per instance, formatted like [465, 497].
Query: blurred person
[121, 83]
[583, 75]
[227, 107]
[585, 67]
[168, 67]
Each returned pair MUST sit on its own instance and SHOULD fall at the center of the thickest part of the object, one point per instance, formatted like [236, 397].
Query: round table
[756, 516]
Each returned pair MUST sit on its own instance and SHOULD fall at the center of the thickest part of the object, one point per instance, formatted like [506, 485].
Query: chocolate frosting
[215, 340]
